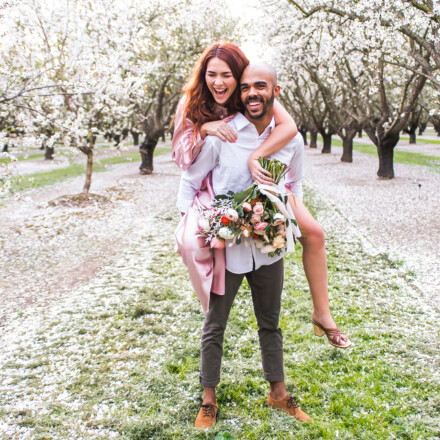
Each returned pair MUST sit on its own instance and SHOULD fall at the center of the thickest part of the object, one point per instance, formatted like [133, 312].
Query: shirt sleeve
[185, 145]
[294, 173]
[192, 178]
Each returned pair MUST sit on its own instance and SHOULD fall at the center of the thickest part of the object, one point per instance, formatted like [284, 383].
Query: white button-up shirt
[230, 172]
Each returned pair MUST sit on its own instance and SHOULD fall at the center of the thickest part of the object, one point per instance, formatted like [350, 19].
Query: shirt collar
[241, 121]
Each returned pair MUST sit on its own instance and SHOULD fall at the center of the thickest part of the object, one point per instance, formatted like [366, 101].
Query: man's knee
[213, 331]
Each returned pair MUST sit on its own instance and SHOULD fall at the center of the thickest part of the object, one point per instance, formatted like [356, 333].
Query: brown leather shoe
[288, 405]
[207, 415]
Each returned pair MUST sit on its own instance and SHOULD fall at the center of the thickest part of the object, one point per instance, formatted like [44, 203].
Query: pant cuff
[209, 382]
[273, 378]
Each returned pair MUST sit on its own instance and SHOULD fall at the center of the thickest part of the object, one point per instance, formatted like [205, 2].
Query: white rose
[258, 244]
[268, 248]
[226, 233]
[246, 233]
[278, 219]
[204, 224]
[278, 242]
[231, 214]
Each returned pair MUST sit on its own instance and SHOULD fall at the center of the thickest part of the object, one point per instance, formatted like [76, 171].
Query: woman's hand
[259, 174]
[220, 129]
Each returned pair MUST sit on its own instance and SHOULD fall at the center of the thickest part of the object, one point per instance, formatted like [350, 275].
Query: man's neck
[260, 123]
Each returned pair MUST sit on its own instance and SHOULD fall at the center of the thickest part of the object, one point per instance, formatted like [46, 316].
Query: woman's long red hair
[199, 102]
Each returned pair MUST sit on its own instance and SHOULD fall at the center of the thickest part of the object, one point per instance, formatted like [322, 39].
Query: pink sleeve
[185, 147]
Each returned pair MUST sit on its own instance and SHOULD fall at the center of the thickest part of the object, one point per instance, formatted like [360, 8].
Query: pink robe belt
[206, 266]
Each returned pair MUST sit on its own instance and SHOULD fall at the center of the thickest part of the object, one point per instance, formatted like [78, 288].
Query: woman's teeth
[220, 92]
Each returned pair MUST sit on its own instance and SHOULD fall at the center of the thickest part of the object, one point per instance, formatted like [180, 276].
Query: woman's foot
[326, 325]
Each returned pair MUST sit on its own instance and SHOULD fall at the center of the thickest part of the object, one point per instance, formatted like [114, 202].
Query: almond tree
[361, 31]
[178, 31]
[80, 69]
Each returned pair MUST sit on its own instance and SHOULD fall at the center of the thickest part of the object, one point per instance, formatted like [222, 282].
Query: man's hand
[220, 129]
[259, 174]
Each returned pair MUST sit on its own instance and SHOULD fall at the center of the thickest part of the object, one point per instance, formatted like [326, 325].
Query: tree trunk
[437, 127]
[147, 150]
[89, 169]
[327, 143]
[422, 128]
[347, 146]
[135, 136]
[385, 150]
[313, 139]
[5, 148]
[303, 134]
[360, 133]
[412, 136]
[48, 153]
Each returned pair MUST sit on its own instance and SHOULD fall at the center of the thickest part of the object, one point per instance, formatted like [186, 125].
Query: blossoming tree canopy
[74, 70]
[362, 60]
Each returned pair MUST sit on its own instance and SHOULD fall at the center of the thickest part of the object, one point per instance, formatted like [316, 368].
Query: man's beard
[266, 105]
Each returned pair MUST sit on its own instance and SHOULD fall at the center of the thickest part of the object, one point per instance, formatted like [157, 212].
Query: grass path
[113, 157]
[119, 357]
[405, 157]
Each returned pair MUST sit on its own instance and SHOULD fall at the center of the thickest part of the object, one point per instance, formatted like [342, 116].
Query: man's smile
[254, 104]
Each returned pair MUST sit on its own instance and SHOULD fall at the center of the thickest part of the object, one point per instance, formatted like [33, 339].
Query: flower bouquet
[260, 213]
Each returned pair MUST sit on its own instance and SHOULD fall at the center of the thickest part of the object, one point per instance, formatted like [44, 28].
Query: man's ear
[276, 91]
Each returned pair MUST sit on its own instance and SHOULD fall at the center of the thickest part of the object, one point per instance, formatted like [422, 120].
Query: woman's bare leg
[315, 263]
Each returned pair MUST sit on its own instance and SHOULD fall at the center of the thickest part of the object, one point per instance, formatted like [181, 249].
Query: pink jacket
[206, 266]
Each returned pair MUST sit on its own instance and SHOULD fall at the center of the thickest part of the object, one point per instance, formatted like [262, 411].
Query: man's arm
[192, 178]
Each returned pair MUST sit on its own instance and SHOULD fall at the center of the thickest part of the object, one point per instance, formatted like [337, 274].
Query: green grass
[20, 158]
[123, 357]
[405, 157]
[37, 180]
[421, 140]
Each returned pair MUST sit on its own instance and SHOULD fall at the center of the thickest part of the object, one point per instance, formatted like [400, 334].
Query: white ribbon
[286, 210]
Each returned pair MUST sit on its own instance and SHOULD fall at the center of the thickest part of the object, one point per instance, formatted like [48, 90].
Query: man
[230, 172]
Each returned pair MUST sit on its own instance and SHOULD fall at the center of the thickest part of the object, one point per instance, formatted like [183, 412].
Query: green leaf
[225, 435]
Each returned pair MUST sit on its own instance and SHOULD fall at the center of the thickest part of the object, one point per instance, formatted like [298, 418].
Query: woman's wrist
[254, 156]
[203, 132]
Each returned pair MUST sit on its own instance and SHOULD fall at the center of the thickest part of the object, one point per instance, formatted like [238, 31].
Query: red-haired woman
[211, 98]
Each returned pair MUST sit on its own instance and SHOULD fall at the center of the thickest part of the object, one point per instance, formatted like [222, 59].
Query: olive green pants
[266, 285]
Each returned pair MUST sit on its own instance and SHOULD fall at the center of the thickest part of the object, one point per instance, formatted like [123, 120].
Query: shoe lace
[291, 403]
[208, 410]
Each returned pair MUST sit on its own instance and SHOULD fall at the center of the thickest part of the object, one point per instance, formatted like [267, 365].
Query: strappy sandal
[334, 335]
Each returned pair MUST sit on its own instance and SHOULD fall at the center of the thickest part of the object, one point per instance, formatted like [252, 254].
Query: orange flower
[225, 220]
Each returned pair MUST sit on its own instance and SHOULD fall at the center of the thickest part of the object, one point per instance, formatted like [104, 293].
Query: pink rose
[281, 231]
[247, 207]
[217, 243]
[255, 218]
[260, 227]
[258, 208]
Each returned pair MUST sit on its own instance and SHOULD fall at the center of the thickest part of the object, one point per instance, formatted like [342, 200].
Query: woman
[211, 98]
